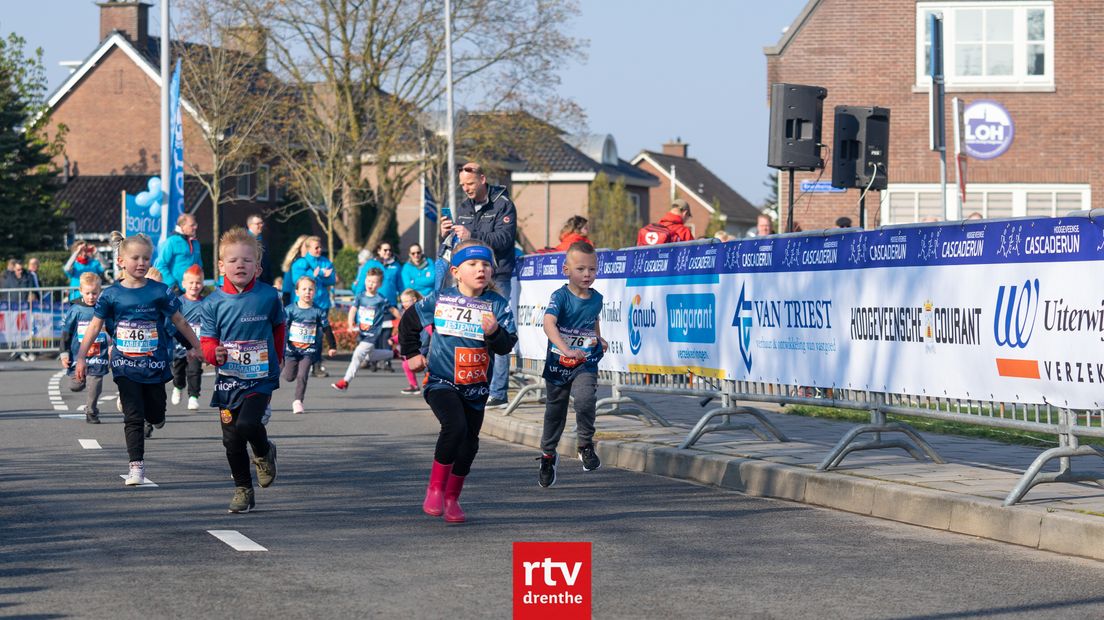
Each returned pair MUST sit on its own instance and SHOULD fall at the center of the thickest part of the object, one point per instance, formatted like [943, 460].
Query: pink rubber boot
[434, 498]
[453, 512]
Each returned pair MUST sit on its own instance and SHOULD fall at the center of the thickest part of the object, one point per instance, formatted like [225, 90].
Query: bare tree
[224, 78]
[613, 218]
[383, 62]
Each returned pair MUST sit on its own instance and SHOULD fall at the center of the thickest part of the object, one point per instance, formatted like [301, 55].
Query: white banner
[999, 311]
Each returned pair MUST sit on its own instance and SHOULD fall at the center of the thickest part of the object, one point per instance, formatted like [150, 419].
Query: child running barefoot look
[367, 314]
[77, 320]
[306, 325]
[243, 336]
[470, 323]
[408, 298]
[189, 371]
[136, 312]
[575, 346]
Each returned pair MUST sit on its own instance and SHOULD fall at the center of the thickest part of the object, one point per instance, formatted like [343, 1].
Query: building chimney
[676, 149]
[130, 17]
[248, 40]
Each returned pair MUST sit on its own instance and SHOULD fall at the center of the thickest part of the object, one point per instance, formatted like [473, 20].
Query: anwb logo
[552, 580]
[690, 318]
[1014, 318]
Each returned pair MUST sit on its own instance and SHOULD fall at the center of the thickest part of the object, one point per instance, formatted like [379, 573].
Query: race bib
[302, 335]
[366, 317]
[136, 338]
[97, 345]
[577, 338]
[246, 359]
[195, 329]
[456, 315]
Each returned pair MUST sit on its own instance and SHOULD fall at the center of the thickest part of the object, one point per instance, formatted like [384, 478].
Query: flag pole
[165, 156]
[450, 174]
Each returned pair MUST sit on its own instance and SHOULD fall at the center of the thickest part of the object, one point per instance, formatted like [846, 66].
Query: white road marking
[54, 392]
[236, 540]
[146, 482]
[90, 444]
[109, 397]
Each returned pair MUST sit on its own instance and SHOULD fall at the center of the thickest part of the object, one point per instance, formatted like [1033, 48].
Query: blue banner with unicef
[142, 211]
[1004, 311]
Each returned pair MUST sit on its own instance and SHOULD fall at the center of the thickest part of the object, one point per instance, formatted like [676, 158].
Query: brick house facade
[1035, 59]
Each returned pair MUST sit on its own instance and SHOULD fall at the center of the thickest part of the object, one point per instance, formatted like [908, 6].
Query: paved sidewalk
[964, 495]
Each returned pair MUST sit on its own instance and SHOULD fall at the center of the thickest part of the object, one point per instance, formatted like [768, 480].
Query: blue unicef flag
[176, 150]
[143, 212]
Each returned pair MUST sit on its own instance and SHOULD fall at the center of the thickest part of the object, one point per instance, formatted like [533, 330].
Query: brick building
[1024, 69]
[111, 107]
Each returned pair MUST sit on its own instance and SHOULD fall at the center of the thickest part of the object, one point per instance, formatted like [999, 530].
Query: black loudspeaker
[860, 147]
[795, 117]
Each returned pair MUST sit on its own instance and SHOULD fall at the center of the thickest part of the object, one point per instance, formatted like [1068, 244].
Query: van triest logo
[1014, 317]
[742, 321]
[552, 580]
[639, 318]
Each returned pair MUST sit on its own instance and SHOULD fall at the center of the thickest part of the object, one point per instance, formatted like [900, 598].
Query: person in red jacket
[671, 228]
[574, 230]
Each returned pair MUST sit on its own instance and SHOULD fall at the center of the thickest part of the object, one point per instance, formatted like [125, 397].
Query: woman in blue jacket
[392, 273]
[318, 268]
[83, 260]
[420, 272]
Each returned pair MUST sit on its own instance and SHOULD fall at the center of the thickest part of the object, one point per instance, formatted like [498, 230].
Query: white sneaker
[137, 473]
[193, 403]
[119, 403]
[176, 395]
[297, 406]
[267, 415]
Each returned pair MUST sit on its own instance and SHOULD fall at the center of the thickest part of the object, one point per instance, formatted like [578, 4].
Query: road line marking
[237, 540]
[110, 397]
[90, 444]
[146, 482]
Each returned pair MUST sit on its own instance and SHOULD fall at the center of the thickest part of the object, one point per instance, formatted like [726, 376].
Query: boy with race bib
[306, 325]
[575, 346]
[243, 336]
[188, 372]
[471, 323]
[367, 314]
[136, 311]
[77, 318]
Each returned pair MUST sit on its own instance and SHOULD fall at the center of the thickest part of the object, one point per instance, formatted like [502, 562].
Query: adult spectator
[671, 228]
[575, 229]
[384, 260]
[16, 276]
[179, 253]
[419, 272]
[84, 259]
[487, 214]
[255, 224]
[764, 226]
[32, 272]
[296, 251]
[312, 264]
[843, 222]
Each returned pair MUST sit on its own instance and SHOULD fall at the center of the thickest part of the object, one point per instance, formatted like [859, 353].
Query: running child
[243, 337]
[408, 298]
[135, 312]
[575, 346]
[188, 371]
[471, 323]
[306, 325]
[77, 318]
[367, 314]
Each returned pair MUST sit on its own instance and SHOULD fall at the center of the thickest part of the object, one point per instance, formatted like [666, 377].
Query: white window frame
[263, 192]
[635, 200]
[245, 175]
[1019, 193]
[1019, 81]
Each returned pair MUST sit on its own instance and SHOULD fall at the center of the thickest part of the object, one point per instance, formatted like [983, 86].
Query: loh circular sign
[988, 129]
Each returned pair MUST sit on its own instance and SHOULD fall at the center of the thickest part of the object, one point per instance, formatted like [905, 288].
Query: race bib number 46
[456, 315]
[246, 359]
[136, 338]
[471, 365]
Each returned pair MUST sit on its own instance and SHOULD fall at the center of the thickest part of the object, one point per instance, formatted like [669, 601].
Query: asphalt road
[345, 536]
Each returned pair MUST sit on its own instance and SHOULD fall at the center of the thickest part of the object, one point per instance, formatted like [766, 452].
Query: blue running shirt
[243, 323]
[136, 317]
[575, 318]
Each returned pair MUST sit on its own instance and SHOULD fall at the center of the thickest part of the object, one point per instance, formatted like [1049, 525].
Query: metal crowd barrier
[31, 319]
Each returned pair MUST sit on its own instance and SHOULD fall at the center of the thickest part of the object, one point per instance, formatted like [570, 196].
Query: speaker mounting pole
[789, 211]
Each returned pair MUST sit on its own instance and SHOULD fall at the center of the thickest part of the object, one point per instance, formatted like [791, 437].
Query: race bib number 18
[246, 359]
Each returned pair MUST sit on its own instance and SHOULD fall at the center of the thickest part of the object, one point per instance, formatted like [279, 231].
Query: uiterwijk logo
[639, 318]
[1013, 324]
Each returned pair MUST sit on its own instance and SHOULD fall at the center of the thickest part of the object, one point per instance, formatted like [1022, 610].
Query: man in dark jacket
[487, 214]
[255, 223]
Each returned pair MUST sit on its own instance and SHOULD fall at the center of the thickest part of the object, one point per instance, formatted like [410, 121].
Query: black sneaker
[547, 476]
[589, 458]
[496, 402]
[92, 418]
[410, 391]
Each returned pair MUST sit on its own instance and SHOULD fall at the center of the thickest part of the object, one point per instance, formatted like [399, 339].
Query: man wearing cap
[487, 214]
[671, 228]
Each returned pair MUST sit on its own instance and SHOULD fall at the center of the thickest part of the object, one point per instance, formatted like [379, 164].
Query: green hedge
[345, 263]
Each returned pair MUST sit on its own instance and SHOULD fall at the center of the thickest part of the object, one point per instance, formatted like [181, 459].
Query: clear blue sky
[656, 70]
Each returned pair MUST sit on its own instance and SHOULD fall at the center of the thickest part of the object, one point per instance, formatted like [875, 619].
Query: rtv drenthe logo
[639, 318]
[742, 322]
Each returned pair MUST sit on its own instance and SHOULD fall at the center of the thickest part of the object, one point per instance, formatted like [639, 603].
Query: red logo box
[552, 580]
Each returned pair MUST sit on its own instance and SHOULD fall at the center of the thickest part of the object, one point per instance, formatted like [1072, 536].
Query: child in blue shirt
[575, 346]
[471, 323]
[77, 318]
[135, 312]
[188, 371]
[306, 325]
[243, 336]
[367, 314]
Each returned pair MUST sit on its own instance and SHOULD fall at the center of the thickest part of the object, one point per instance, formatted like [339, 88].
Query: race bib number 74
[456, 315]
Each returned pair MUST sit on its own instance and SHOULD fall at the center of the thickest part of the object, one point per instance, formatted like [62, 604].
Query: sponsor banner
[23, 327]
[994, 311]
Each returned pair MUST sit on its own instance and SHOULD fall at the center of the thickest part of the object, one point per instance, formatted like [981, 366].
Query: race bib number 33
[302, 335]
[246, 359]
